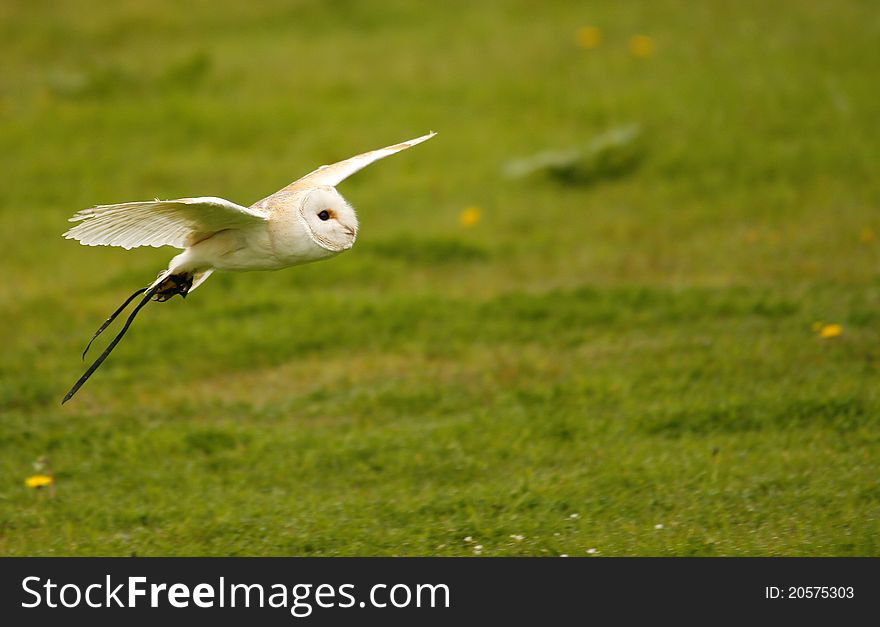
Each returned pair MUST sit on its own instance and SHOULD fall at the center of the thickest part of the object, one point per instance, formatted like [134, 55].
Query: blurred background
[625, 303]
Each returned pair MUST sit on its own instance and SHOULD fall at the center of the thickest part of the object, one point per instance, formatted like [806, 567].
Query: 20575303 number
[809, 592]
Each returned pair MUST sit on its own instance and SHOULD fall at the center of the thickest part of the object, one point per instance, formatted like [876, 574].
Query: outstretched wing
[334, 174]
[179, 223]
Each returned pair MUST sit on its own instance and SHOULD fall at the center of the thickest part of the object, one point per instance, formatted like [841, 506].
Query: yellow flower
[588, 37]
[469, 217]
[866, 236]
[830, 330]
[641, 46]
[38, 481]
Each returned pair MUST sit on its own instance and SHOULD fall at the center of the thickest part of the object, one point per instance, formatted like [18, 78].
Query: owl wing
[179, 223]
[334, 174]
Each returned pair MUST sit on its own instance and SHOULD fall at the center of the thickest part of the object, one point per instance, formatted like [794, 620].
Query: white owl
[306, 221]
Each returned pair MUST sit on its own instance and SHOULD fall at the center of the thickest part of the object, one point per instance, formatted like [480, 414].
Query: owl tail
[167, 285]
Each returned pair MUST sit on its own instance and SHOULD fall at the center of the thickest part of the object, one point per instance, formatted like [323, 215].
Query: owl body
[307, 225]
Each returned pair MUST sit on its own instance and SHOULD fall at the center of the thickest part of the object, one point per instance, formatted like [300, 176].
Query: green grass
[587, 362]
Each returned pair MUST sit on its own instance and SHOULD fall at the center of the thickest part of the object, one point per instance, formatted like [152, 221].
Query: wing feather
[334, 174]
[178, 223]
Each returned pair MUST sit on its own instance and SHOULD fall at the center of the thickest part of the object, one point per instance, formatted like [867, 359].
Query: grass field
[631, 364]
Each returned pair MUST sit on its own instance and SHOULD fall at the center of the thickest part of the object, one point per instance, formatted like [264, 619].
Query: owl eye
[324, 215]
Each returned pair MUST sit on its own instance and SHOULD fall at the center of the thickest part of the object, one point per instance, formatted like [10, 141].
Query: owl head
[329, 220]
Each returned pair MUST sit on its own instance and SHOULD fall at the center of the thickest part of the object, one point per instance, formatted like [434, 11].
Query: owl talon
[172, 285]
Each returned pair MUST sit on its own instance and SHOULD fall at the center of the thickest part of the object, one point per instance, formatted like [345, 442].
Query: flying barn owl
[306, 221]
